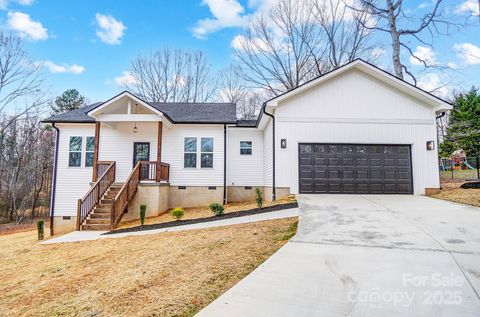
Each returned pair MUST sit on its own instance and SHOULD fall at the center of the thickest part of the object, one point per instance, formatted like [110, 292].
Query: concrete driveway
[368, 255]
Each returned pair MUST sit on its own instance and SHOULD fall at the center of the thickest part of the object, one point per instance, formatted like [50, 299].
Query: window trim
[205, 152]
[87, 151]
[250, 148]
[76, 151]
[185, 152]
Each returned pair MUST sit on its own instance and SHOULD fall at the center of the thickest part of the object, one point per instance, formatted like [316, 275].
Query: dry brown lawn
[460, 195]
[203, 212]
[167, 274]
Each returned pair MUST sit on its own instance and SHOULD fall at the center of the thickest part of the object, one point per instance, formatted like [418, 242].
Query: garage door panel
[352, 168]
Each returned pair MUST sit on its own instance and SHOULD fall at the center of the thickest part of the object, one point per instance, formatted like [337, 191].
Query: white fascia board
[92, 112]
[128, 117]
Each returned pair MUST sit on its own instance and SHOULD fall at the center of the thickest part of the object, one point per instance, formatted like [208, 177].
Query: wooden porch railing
[93, 196]
[101, 168]
[148, 171]
[124, 196]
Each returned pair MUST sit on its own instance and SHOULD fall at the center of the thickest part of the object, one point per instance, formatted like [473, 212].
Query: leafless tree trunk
[298, 41]
[172, 76]
[20, 79]
[402, 28]
[233, 88]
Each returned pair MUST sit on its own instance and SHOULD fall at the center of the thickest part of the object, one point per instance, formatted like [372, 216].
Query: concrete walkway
[95, 235]
[367, 255]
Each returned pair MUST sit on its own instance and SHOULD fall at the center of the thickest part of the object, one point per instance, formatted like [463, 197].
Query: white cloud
[61, 68]
[469, 52]
[377, 52]
[109, 29]
[432, 83]
[226, 13]
[452, 65]
[126, 79]
[470, 6]
[425, 54]
[4, 3]
[25, 2]
[26, 27]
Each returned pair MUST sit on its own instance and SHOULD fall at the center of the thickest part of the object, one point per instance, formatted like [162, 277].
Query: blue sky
[89, 44]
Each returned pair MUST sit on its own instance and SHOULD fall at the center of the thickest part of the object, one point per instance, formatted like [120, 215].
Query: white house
[354, 130]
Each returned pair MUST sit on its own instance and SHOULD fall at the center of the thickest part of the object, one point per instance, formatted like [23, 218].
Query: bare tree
[233, 88]
[345, 36]
[20, 79]
[300, 40]
[403, 29]
[277, 52]
[172, 75]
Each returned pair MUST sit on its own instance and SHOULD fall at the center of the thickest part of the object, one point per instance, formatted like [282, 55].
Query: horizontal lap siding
[172, 153]
[355, 108]
[245, 170]
[72, 182]
[116, 144]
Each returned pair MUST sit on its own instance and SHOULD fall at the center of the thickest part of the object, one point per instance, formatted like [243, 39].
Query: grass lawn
[167, 274]
[203, 212]
[460, 195]
[460, 174]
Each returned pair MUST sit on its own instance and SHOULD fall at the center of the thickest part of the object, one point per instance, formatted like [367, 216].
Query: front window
[75, 151]
[245, 147]
[190, 152]
[89, 151]
[207, 152]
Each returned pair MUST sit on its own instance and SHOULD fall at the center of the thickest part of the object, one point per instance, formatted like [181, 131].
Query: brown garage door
[355, 169]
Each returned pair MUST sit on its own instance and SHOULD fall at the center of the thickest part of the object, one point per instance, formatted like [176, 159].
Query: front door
[141, 152]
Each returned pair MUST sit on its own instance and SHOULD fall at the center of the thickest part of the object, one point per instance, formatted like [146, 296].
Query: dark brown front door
[355, 169]
[141, 152]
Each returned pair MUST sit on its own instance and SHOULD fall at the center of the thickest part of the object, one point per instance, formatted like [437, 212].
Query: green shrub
[41, 229]
[143, 210]
[217, 209]
[259, 197]
[177, 213]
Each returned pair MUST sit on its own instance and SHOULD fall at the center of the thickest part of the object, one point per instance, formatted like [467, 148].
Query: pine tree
[69, 100]
[464, 129]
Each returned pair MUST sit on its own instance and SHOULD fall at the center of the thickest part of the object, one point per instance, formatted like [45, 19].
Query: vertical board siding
[245, 170]
[268, 155]
[72, 182]
[365, 109]
[116, 144]
[172, 153]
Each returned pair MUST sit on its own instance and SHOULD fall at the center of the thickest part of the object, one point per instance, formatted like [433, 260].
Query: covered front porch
[127, 151]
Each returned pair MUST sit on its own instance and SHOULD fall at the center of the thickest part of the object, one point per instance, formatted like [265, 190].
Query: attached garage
[355, 130]
[355, 169]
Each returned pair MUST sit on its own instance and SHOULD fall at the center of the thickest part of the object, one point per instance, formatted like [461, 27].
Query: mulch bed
[229, 215]
[472, 185]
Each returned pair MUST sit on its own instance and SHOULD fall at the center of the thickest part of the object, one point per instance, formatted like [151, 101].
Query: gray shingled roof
[246, 123]
[176, 112]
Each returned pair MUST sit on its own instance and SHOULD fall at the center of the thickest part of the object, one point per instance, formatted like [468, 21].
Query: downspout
[441, 115]
[274, 191]
[54, 179]
[224, 164]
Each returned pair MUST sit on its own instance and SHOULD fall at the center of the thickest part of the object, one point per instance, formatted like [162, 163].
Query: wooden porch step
[98, 221]
[105, 210]
[101, 215]
[102, 227]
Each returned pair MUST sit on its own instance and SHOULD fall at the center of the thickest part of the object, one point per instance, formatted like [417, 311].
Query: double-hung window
[191, 148]
[75, 151]
[245, 147]
[206, 152]
[190, 152]
[89, 151]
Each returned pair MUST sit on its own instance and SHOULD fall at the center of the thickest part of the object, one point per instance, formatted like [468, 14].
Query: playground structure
[457, 161]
